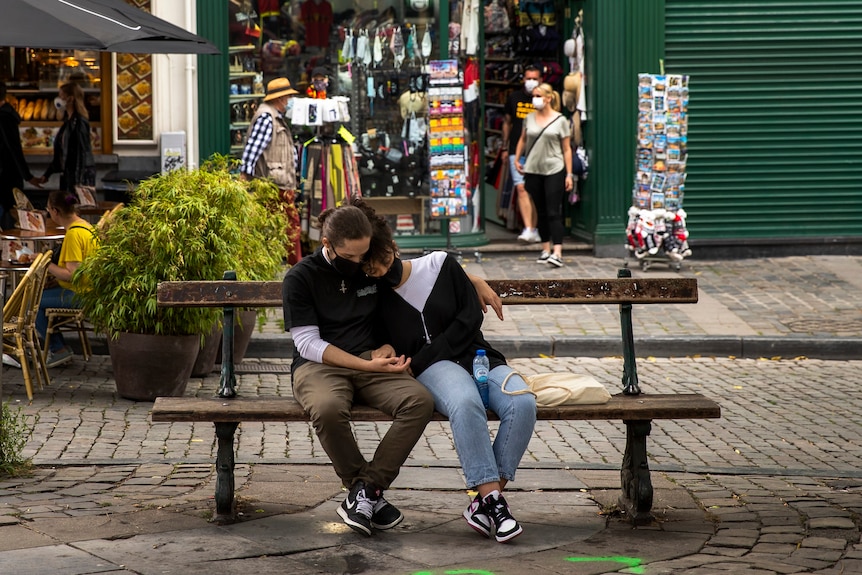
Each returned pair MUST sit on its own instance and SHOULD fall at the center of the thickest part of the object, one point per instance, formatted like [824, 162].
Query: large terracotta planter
[150, 366]
[205, 362]
[241, 335]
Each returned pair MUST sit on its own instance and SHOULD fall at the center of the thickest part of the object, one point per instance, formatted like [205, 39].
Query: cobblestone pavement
[773, 487]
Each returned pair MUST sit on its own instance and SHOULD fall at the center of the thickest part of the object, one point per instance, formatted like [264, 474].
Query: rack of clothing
[328, 175]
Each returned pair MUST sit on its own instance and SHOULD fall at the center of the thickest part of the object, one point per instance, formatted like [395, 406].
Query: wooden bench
[635, 409]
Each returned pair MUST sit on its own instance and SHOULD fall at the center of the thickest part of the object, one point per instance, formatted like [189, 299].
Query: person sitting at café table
[79, 242]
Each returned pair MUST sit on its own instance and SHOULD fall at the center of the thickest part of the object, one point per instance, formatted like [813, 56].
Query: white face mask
[60, 103]
[288, 108]
[530, 85]
[538, 102]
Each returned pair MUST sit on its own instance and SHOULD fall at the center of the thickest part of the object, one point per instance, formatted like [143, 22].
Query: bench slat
[575, 291]
[623, 407]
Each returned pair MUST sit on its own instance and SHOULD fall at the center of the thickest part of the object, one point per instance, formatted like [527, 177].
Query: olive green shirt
[545, 155]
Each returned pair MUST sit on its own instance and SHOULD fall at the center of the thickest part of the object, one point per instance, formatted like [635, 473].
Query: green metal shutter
[213, 101]
[775, 116]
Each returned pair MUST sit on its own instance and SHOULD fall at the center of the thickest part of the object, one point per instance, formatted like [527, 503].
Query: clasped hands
[383, 359]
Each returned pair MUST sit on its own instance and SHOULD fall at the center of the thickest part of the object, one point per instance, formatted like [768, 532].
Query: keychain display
[656, 222]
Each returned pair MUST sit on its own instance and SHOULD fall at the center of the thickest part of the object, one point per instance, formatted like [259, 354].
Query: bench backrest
[223, 293]
[623, 290]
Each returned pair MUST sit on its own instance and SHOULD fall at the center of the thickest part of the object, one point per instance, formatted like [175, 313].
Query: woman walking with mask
[73, 148]
[545, 141]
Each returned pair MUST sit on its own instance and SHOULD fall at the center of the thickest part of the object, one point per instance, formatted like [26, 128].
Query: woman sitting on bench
[435, 318]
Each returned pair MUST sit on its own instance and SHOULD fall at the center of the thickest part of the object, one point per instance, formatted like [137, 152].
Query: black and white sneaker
[385, 515]
[555, 261]
[357, 508]
[505, 526]
[543, 258]
[477, 518]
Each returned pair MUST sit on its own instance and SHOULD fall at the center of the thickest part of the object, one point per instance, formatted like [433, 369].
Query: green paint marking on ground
[632, 562]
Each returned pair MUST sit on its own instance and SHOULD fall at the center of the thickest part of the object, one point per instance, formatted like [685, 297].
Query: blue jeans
[54, 297]
[517, 177]
[456, 396]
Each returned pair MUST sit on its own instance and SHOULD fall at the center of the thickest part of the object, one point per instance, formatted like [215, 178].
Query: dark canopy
[106, 25]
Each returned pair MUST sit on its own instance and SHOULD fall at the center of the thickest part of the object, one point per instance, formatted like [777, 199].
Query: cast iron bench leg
[225, 510]
[636, 496]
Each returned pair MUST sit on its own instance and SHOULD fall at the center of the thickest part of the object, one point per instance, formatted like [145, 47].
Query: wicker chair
[19, 324]
[68, 319]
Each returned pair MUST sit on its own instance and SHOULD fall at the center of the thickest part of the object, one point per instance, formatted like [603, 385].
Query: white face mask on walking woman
[60, 103]
[538, 102]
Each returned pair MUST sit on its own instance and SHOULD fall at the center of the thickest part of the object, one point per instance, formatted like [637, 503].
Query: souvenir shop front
[369, 118]
[749, 114]
[748, 108]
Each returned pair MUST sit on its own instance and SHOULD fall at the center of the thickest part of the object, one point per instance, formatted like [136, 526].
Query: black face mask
[393, 276]
[345, 267]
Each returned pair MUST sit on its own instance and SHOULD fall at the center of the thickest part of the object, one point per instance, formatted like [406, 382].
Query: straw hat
[278, 88]
[571, 90]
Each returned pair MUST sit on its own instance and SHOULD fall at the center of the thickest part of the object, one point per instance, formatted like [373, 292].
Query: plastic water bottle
[481, 367]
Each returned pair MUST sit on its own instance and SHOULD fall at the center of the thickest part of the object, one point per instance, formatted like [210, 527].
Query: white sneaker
[10, 361]
[525, 236]
[535, 237]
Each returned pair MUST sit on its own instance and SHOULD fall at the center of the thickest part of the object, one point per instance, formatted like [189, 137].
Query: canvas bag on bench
[560, 388]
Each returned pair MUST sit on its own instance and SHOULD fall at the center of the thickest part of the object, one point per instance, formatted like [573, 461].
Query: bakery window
[33, 79]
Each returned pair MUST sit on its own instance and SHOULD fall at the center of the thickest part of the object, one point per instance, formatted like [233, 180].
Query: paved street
[773, 487]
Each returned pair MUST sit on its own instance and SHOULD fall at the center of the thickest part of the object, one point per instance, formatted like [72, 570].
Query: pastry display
[142, 89]
[125, 79]
[143, 110]
[126, 100]
[134, 96]
[125, 60]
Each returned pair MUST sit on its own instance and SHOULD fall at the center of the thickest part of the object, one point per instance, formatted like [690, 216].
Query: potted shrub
[258, 268]
[181, 225]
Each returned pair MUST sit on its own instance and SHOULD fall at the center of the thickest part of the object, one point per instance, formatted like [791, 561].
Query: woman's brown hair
[64, 202]
[382, 245]
[74, 91]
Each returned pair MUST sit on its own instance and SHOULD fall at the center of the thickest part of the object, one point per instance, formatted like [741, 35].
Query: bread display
[29, 111]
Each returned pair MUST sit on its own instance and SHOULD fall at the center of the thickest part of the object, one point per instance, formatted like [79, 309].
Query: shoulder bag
[533, 143]
[560, 388]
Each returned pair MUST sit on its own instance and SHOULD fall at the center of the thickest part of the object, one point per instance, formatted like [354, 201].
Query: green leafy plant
[13, 436]
[181, 225]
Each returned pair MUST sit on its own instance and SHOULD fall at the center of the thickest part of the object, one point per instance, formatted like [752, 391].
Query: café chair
[19, 324]
[62, 319]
